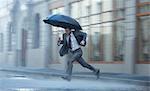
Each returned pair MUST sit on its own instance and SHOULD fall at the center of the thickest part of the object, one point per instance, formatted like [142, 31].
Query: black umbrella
[63, 21]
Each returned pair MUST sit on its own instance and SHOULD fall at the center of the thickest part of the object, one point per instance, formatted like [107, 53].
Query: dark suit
[74, 55]
[79, 37]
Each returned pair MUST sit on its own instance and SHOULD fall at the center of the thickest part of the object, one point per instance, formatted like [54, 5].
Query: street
[24, 82]
[43, 40]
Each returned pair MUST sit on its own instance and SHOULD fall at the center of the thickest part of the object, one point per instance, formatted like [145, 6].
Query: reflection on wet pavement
[22, 82]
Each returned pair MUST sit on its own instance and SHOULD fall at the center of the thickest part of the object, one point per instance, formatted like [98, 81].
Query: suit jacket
[79, 37]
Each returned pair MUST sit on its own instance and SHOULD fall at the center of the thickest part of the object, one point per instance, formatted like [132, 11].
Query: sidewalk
[115, 77]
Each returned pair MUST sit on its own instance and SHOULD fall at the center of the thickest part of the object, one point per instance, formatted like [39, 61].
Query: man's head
[68, 30]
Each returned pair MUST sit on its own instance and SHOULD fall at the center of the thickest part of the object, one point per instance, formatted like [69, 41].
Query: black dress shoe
[66, 78]
[97, 74]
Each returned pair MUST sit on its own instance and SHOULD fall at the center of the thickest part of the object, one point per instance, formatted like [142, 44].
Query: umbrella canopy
[63, 21]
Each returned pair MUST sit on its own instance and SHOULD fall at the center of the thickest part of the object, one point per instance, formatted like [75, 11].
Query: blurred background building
[118, 34]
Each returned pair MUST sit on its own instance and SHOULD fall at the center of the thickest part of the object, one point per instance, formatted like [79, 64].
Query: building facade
[118, 34]
[25, 39]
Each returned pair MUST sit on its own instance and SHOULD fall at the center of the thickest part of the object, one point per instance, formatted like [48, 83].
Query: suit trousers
[77, 56]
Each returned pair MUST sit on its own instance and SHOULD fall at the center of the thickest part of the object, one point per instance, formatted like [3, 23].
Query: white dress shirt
[74, 43]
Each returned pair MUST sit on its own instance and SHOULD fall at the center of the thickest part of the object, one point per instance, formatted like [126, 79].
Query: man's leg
[85, 64]
[69, 56]
[74, 57]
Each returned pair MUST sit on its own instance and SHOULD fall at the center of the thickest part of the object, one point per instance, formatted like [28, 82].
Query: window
[119, 10]
[118, 30]
[142, 1]
[95, 41]
[143, 30]
[37, 31]
[84, 4]
[75, 10]
[95, 6]
[119, 39]
[119, 3]
[145, 8]
[144, 39]
[9, 36]
[24, 39]
[59, 10]
[1, 42]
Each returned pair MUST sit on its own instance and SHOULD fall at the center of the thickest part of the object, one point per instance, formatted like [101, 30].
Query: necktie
[69, 44]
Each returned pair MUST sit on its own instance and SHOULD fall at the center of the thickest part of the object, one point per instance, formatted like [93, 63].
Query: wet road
[23, 82]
